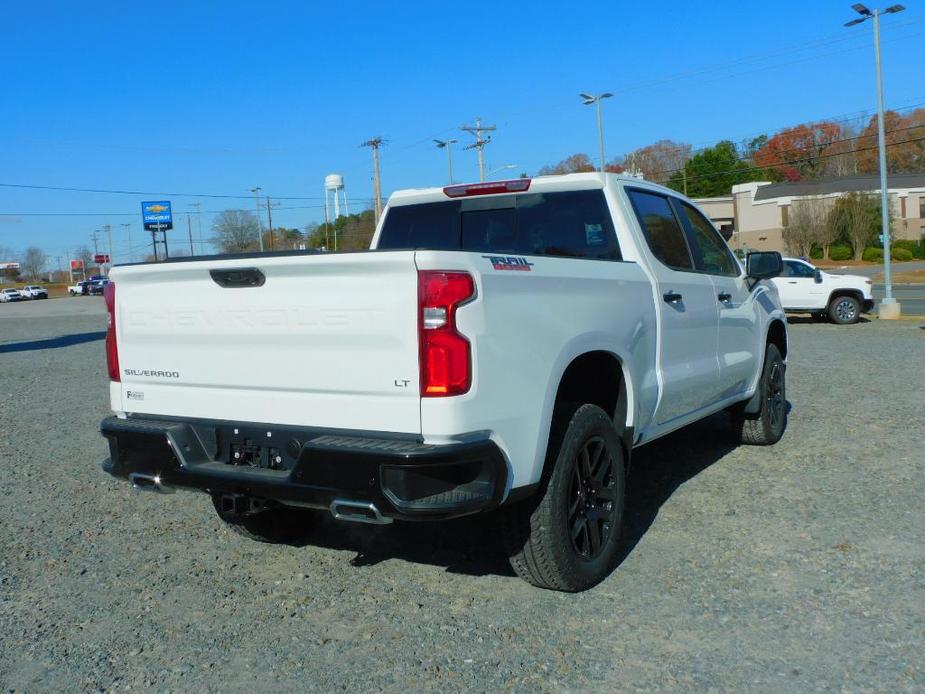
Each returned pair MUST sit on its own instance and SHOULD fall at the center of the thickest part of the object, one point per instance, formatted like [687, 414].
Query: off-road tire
[766, 427]
[281, 525]
[537, 532]
[844, 310]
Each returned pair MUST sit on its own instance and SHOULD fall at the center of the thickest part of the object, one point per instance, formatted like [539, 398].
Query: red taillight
[446, 360]
[112, 350]
[518, 185]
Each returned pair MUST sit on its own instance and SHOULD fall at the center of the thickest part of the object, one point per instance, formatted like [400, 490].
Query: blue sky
[216, 98]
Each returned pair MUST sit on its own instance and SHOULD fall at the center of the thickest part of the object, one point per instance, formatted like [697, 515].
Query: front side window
[715, 257]
[793, 268]
[661, 228]
[574, 224]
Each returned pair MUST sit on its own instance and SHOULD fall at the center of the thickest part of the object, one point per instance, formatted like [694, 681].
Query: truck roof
[539, 184]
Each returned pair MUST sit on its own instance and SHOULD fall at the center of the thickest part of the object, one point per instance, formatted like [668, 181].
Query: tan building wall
[759, 224]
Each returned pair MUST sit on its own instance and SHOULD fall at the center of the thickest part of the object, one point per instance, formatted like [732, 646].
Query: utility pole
[189, 231]
[270, 222]
[128, 229]
[889, 307]
[445, 144]
[198, 206]
[108, 229]
[374, 144]
[479, 144]
[256, 190]
[95, 238]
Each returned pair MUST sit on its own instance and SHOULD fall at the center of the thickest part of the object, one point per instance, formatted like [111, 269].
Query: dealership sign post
[157, 217]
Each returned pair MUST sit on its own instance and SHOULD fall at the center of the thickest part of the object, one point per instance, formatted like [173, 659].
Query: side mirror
[763, 265]
[818, 276]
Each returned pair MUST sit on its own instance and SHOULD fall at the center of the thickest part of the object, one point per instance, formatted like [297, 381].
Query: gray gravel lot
[799, 567]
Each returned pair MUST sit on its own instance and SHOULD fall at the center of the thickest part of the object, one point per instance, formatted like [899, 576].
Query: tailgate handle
[239, 278]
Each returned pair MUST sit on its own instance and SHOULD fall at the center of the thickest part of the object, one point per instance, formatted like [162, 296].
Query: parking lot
[799, 567]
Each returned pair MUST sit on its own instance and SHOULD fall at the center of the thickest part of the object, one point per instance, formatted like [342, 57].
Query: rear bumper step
[382, 477]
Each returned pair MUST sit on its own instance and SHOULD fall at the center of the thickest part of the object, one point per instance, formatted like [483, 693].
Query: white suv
[805, 288]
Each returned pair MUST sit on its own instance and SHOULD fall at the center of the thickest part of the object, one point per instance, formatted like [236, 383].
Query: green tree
[713, 171]
[856, 219]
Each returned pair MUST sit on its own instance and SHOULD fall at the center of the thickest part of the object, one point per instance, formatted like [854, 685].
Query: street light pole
[587, 100]
[445, 144]
[889, 307]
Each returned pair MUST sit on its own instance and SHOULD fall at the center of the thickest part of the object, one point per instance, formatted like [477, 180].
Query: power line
[143, 192]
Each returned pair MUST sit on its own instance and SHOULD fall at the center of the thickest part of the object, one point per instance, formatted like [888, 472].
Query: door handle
[791, 281]
[672, 297]
[239, 278]
[724, 296]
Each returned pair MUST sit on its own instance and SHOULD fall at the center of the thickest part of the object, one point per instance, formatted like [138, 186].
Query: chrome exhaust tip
[149, 483]
[358, 512]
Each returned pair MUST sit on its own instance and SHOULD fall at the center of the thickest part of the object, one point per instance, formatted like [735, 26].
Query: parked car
[80, 289]
[34, 291]
[804, 288]
[96, 287]
[8, 295]
[504, 346]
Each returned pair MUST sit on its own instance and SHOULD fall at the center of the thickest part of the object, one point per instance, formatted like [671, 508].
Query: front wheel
[568, 537]
[766, 427]
[844, 310]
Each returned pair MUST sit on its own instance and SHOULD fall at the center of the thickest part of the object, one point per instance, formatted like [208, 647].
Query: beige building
[755, 215]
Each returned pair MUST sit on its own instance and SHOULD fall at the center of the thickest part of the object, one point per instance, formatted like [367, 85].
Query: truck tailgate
[326, 339]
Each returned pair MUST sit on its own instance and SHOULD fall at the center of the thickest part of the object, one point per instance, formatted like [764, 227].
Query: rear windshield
[574, 224]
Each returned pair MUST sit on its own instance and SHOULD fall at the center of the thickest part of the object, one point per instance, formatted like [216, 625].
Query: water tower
[334, 187]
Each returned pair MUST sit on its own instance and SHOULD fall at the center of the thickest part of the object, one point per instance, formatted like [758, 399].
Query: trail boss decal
[509, 262]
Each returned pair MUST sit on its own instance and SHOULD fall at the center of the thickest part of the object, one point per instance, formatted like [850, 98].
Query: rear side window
[574, 224]
[661, 228]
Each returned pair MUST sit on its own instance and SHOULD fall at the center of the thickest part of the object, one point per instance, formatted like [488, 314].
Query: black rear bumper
[402, 476]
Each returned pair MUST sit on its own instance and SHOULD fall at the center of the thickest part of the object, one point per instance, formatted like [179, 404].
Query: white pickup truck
[504, 344]
[804, 288]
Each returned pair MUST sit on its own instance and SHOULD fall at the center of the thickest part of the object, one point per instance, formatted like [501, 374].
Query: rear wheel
[844, 310]
[276, 525]
[766, 427]
[568, 538]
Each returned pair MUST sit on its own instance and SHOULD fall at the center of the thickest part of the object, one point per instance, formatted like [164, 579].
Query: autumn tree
[577, 163]
[905, 143]
[799, 153]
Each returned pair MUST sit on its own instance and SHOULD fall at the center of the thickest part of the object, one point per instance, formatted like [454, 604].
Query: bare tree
[85, 255]
[33, 262]
[658, 161]
[808, 224]
[235, 231]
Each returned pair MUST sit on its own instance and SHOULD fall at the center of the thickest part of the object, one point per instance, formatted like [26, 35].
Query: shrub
[840, 253]
[816, 253]
[917, 249]
[901, 254]
[872, 255]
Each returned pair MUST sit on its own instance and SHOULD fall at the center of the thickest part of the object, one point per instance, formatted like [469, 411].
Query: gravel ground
[792, 568]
